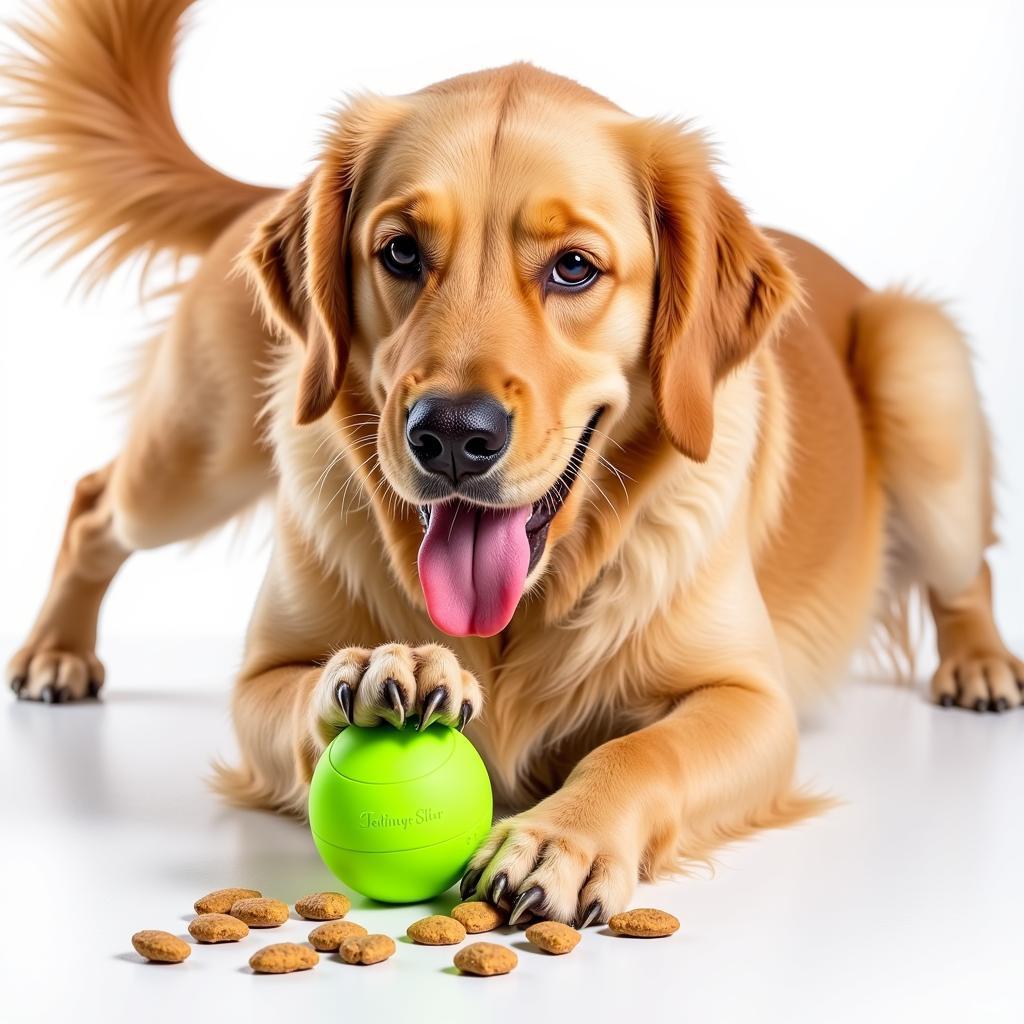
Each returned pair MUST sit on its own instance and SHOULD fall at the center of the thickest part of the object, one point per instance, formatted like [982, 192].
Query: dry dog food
[436, 930]
[260, 913]
[477, 916]
[323, 906]
[644, 923]
[220, 901]
[328, 937]
[366, 949]
[283, 958]
[161, 947]
[217, 928]
[553, 937]
[485, 959]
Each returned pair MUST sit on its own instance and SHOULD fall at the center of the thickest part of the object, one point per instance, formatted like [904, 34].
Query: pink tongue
[473, 564]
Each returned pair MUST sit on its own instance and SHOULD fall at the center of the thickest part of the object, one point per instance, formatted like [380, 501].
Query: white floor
[906, 904]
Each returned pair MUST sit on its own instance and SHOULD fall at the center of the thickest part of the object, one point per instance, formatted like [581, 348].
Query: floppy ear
[297, 297]
[298, 257]
[721, 286]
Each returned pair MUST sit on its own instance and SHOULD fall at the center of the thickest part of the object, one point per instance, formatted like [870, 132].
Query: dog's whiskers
[620, 475]
[322, 478]
[600, 490]
[452, 527]
[354, 447]
[597, 430]
[346, 507]
[598, 510]
[348, 479]
[365, 420]
[333, 435]
[381, 483]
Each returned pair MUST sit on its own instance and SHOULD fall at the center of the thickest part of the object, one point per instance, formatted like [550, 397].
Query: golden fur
[783, 453]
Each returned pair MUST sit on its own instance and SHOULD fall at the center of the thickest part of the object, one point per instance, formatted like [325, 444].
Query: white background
[889, 133]
[892, 134]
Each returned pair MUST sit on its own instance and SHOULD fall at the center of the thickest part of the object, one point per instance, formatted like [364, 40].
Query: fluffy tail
[88, 88]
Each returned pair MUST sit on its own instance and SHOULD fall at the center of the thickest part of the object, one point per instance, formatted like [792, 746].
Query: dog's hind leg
[192, 460]
[925, 419]
[58, 661]
[975, 670]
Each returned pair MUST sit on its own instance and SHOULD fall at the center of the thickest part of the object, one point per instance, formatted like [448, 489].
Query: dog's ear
[722, 287]
[279, 262]
[298, 257]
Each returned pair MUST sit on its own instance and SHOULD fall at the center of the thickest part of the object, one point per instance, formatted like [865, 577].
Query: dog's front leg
[285, 716]
[717, 765]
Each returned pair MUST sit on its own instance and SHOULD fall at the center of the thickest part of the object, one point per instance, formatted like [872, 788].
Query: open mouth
[474, 560]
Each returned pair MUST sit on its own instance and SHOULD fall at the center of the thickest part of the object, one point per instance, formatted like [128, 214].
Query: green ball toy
[395, 813]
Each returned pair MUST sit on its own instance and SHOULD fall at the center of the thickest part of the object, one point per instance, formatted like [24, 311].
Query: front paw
[392, 683]
[539, 863]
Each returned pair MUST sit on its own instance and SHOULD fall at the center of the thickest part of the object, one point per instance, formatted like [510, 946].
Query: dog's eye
[572, 270]
[401, 257]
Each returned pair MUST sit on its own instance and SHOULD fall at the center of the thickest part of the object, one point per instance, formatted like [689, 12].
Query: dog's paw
[391, 683]
[979, 681]
[54, 676]
[532, 864]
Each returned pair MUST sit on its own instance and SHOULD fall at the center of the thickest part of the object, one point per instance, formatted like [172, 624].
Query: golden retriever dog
[562, 449]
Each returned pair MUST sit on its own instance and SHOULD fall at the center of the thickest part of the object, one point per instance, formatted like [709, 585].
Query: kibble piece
[323, 906]
[260, 913]
[477, 916]
[283, 958]
[161, 947]
[436, 930]
[367, 949]
[220, 901]
[485, 959]
[328, 937]
[217, 928]
[644, 923]
[553, 937]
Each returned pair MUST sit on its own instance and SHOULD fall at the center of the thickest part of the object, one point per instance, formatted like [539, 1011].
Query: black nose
[457, 436]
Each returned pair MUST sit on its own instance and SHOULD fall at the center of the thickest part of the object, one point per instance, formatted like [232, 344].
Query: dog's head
[506, 269]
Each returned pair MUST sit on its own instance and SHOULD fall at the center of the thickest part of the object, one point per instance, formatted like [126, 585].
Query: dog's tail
[106, 168]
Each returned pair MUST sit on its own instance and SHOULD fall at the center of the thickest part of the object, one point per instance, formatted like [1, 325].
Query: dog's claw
[49, 694]
[18, 684]
[525, 901]
[469, 882]
[430, 705]
[94, 688]
[394, 698]
[946, 700]
[343, 695]
[464, 712]
[981, 705]
[590, 915]
[498, 887]
[1001, 705]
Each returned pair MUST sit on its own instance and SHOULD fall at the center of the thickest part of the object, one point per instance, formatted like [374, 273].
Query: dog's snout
[457, 436]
